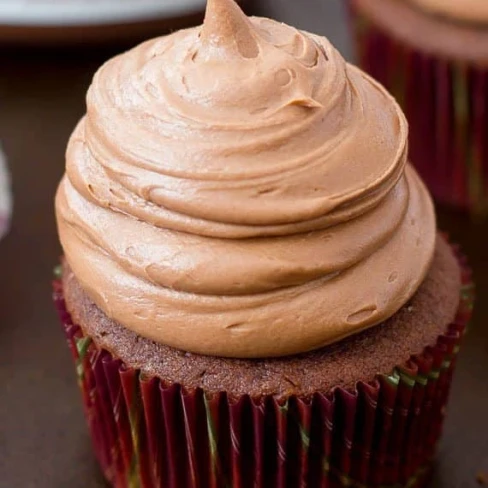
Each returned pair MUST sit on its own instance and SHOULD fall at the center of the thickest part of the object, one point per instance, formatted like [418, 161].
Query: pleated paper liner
[446, 105]
[147, 433]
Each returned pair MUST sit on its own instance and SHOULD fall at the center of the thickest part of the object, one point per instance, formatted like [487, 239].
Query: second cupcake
[433, 56]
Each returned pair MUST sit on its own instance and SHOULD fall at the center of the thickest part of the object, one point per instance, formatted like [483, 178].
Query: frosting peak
[226, 27]
[240, 205]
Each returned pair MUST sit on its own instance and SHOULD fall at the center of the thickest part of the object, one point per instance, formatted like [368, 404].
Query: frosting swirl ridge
[237, 189]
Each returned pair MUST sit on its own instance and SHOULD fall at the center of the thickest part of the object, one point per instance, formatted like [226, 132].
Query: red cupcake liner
[446, 104]
[148, 433]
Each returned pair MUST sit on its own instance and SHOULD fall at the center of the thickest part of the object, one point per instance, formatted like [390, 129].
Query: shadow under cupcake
[253, 288]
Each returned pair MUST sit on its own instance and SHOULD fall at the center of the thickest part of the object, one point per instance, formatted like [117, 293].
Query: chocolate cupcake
[253, 288]
[433, 56]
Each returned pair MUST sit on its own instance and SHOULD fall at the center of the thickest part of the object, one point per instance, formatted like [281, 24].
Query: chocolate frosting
[464, 10]
[238, 190]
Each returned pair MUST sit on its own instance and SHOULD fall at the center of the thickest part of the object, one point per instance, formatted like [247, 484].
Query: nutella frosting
[238, 190]
[463, 10]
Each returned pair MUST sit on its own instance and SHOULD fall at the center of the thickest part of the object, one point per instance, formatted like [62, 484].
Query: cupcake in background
[433, 57]
[253, 288]
[5, 195]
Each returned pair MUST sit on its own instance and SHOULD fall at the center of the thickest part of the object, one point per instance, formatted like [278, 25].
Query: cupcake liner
[147, 433]
[446, 104]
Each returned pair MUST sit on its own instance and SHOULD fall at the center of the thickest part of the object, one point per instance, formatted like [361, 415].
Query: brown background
[43, 439]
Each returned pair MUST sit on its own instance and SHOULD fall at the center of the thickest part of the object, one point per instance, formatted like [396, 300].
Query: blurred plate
[35, 21]
[91, 12]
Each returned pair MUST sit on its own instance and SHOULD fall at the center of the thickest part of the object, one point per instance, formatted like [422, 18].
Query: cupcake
[252, 287]
[5, 196]
[433, 57]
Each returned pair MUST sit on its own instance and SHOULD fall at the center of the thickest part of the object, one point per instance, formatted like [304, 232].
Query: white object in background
[5, 196]
[91, 12]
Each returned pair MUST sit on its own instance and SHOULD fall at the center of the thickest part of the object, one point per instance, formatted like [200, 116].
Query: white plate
[70, 13]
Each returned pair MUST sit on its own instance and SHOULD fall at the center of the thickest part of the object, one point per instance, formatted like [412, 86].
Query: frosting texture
[238, 190]
[464, 10]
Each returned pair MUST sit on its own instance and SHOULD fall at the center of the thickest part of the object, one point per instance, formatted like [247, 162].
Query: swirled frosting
[463, 10]
[238, 190]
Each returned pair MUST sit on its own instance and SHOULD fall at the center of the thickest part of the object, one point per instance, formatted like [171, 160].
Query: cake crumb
[482, 478]
[287, 378]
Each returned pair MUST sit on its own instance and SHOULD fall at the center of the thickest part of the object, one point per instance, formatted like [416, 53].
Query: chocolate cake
[357, 358]
[253, 287]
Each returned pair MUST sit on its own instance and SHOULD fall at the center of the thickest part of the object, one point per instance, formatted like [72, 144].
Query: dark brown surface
[43, 439]
[357, 358]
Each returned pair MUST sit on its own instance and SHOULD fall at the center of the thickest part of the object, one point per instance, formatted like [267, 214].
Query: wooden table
[43, 438]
